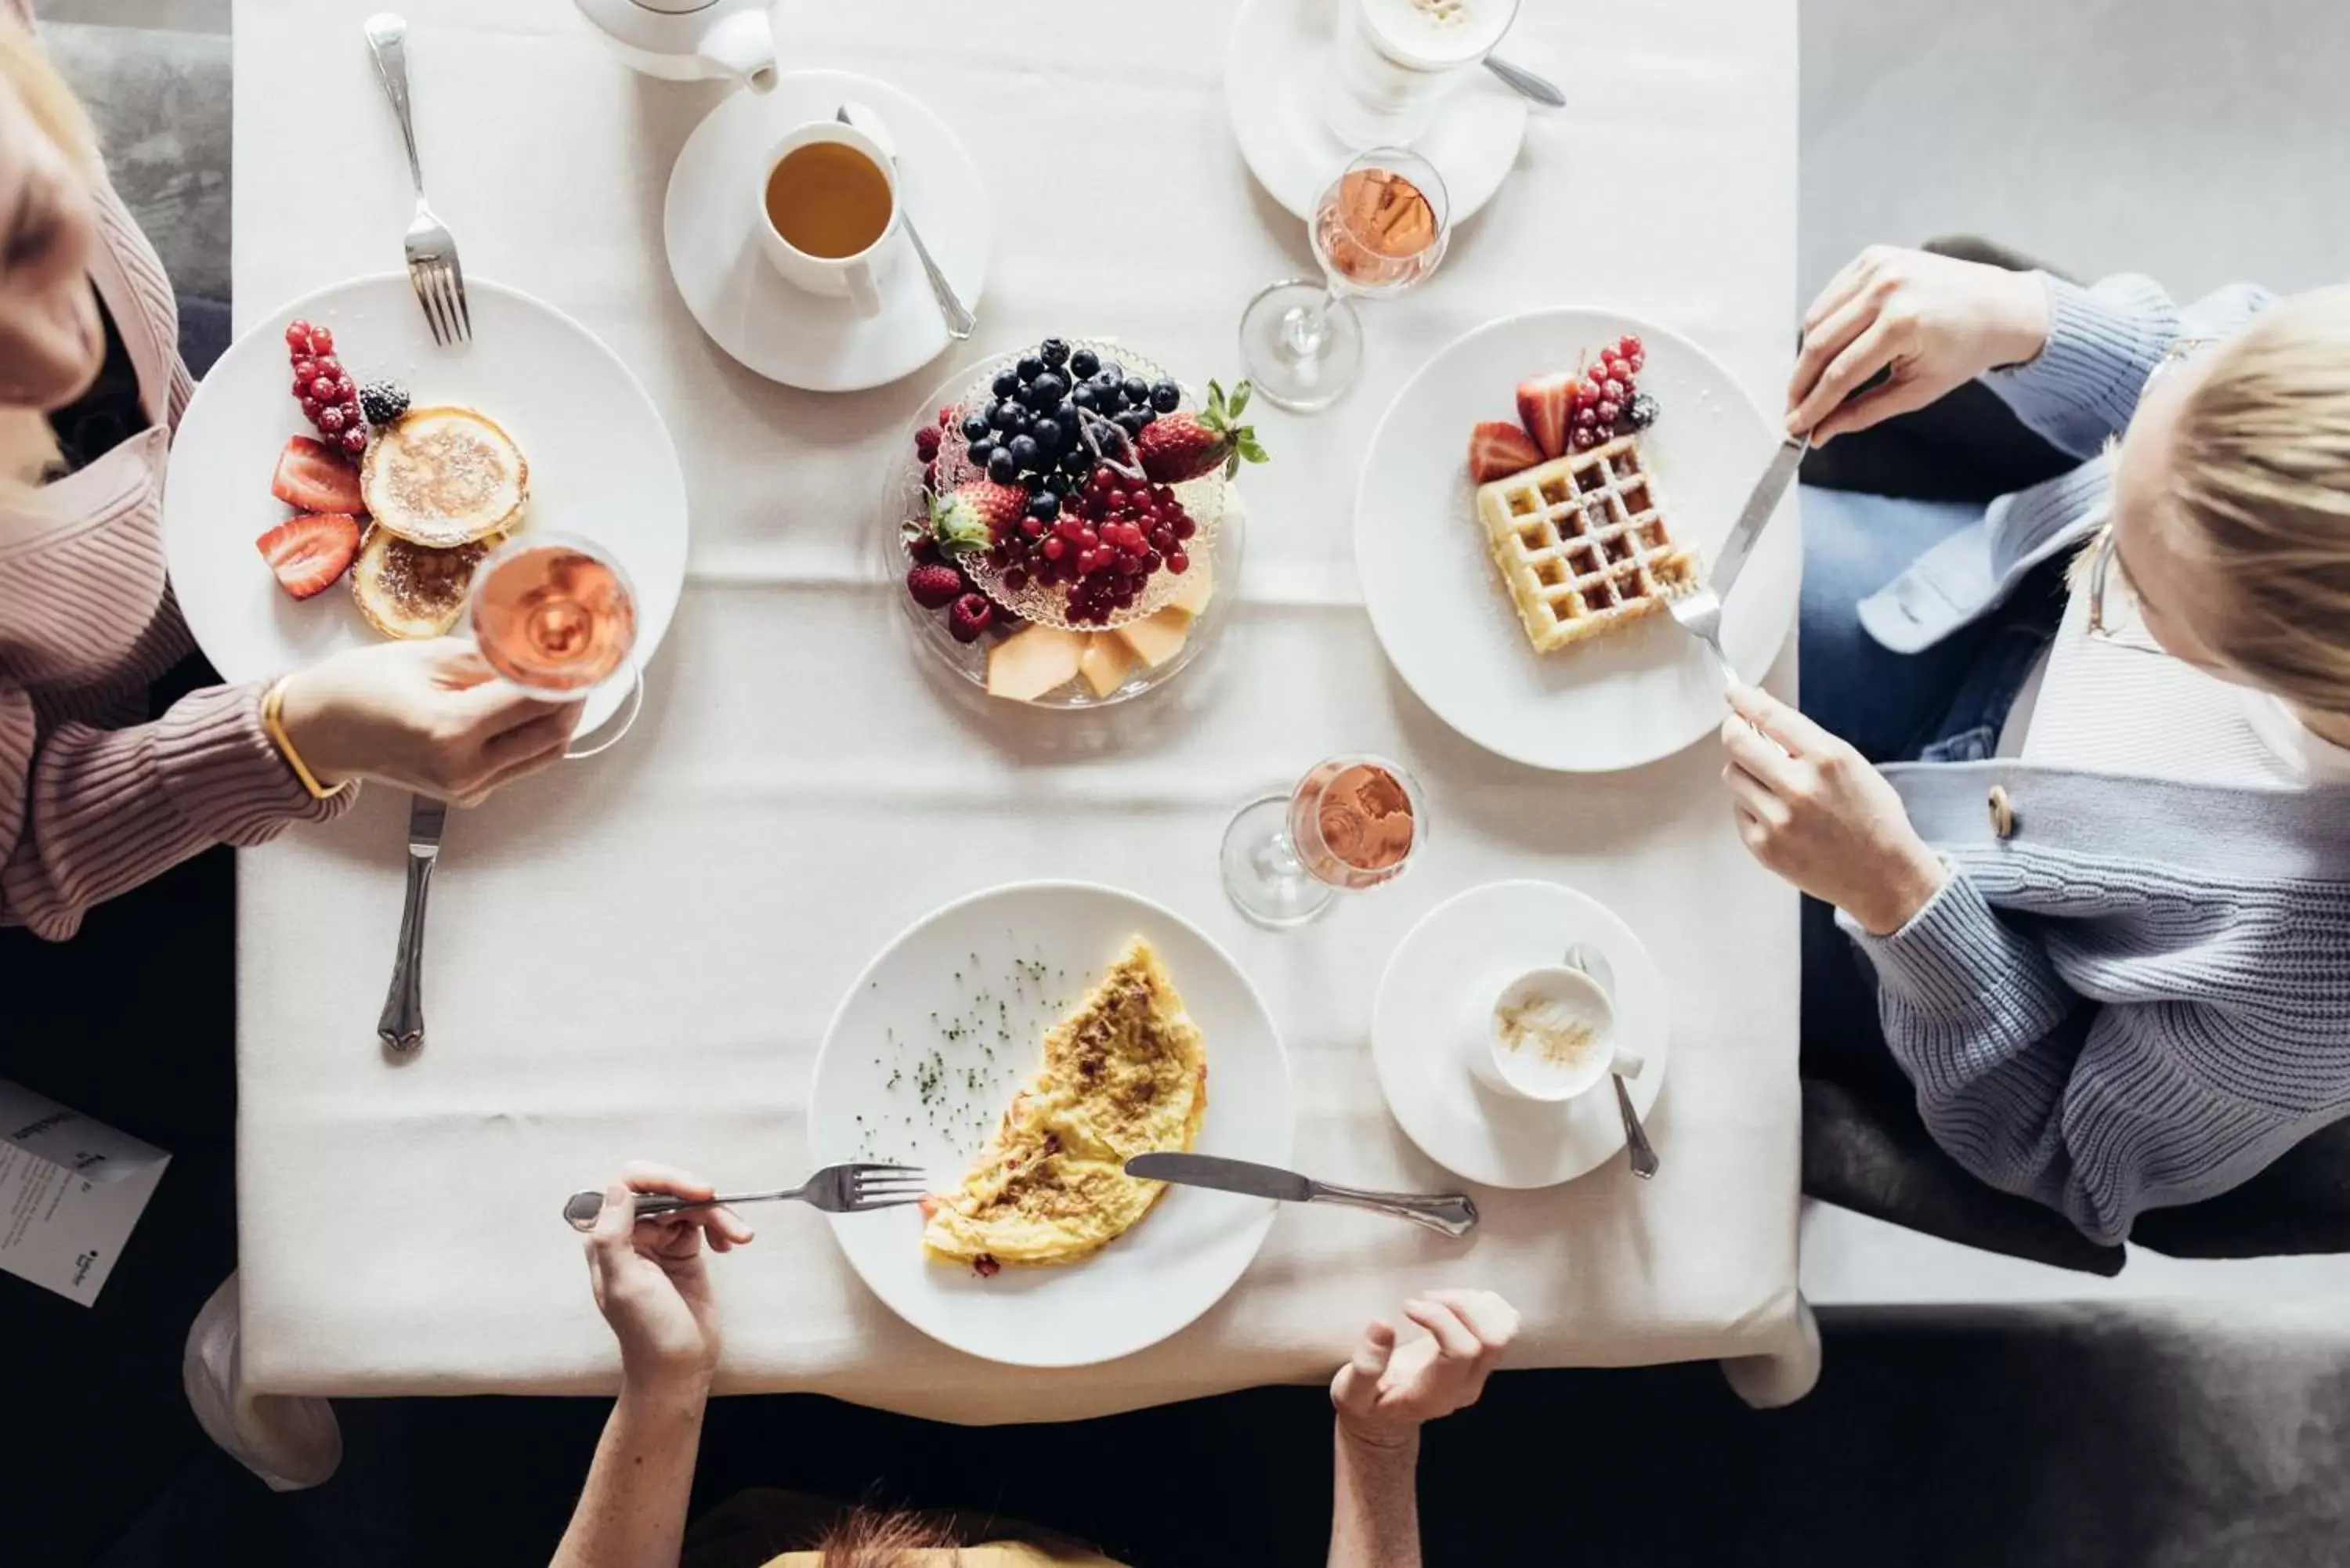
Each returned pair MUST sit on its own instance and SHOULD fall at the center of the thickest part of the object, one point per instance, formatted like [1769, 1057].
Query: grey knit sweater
[2140, 996]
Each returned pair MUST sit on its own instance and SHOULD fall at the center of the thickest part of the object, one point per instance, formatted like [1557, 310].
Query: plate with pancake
[1019, 1045]
[535, 425]
[1528, 611]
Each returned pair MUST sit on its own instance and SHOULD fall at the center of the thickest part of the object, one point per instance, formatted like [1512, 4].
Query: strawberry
[970, 617]
[313, 477]
[1178, 447]
[1546, 403]
[1497, 449]
[935, 586]
[973, 515]
[309, 551]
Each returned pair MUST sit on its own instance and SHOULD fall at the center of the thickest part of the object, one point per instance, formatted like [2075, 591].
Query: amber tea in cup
[827, 199]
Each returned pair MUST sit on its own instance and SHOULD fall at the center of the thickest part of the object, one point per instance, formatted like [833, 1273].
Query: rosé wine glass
[1382, 226]
[1352, 823]
[557, 617]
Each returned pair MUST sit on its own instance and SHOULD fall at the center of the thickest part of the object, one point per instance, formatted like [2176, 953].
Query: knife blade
[402, 1025]
[1224, 1175]
[1449, 1214]
[1768, 492]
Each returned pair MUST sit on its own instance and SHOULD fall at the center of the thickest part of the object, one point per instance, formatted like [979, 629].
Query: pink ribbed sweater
[92, 801]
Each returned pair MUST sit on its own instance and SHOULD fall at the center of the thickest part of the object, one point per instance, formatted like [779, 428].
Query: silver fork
[835, 1190]
[433, 269]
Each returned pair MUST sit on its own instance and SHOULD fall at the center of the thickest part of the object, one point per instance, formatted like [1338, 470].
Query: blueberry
[975, 427]
[1053, 352]
[1049, 434]
[980, 451]
[1084, 362]
[1006, 384]
[1001, 466]
[1149, 416]
[1046, 390]
[1109, 391]
[1138, 392]
[1025, 450]
[1131, 421]
[1022, 421]
[1166, 397]
[999, 415]
[1057, 483]
[1114, 370]
[1084, 397]
[1078, 460]
[1030, 367]
[1045, 505]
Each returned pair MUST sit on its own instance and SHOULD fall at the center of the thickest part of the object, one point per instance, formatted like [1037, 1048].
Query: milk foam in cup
[1397, 59]
[1550, 1037]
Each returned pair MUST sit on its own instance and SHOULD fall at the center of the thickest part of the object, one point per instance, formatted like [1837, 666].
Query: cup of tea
[1550, 1037]
[827, 210]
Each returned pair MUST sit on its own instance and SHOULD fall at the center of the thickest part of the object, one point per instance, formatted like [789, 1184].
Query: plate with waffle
[338, 476]
[1534, 499]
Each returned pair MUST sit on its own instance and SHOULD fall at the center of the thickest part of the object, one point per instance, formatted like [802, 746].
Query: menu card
[70, 1191]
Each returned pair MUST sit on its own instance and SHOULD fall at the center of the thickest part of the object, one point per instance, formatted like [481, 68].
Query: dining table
[635, 957]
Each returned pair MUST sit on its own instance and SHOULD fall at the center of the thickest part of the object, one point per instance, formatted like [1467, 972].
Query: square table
[636, 957]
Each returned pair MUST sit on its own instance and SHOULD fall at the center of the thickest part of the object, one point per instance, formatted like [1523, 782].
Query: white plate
[1634, 695]
[1437, 998]
[1276, 61]
[785, 333]
[1184, 1254]
[601, 464]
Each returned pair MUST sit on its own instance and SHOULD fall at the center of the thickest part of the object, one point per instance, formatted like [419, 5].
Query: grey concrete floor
[2196, 142]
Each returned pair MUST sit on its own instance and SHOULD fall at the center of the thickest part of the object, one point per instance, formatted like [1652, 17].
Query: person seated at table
[95, 797]
[651, 1282]
[2103, 885]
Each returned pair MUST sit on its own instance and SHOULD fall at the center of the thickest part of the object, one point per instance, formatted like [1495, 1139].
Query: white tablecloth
[636, 958]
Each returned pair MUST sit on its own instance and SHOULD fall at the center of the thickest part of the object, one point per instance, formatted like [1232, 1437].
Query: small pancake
[411, 590]
[445, 476]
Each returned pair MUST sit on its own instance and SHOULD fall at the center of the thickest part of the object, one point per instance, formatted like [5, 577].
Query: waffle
[1582, 545]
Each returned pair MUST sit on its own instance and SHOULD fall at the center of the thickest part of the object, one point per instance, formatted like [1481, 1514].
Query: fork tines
[885, 1186]
[440, 286]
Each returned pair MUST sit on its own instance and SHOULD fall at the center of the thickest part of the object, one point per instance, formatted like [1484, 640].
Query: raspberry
[970, 616]
[925, 442]
[935, 586]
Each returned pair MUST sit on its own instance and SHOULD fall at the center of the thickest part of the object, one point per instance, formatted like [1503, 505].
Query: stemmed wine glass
[1353, 822]
[557, 617]
[1381, 227]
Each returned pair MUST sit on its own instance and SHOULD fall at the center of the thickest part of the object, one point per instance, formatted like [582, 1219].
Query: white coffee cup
[856, 278]
[1552, 1037]
[1397, 60]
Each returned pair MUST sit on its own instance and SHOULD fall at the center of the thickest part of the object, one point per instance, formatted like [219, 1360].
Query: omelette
[1124, 1074]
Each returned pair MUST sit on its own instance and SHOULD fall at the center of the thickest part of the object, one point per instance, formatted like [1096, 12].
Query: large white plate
[1619, 700]
[1437, 998]
[953, 969]
[785, 333]
[1278, 60]
[601, 464]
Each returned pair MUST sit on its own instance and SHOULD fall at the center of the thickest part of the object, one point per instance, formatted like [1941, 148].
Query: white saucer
[1276, 64]
[787, 334]
[1437, 996]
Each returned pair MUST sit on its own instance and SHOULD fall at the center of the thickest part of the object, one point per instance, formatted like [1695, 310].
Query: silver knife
[401, 1027]
[1769, 491]
[1453, 1214]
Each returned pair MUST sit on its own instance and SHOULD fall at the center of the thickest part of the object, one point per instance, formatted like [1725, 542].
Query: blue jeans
[1946, 703]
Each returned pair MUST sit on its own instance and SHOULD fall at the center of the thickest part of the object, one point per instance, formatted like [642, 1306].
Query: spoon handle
[1539, 88]
[1637, 1148]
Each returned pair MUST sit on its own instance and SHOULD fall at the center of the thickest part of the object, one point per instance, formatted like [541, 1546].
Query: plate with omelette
[1020, 1045]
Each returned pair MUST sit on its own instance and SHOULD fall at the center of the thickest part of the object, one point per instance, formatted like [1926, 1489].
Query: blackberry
[1642, 413]
[383, 401]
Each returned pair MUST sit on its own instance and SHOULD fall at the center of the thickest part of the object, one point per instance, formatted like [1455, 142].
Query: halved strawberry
[309, 551]
[1546, 404]
[1497, 449]
[313, 477]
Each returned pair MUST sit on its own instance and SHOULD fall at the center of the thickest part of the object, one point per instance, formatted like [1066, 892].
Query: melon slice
[1159, 638]
[1106, 664]
[1199, 586]
[1027, 664]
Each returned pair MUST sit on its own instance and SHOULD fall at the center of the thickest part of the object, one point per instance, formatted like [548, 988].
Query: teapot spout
[742, 45]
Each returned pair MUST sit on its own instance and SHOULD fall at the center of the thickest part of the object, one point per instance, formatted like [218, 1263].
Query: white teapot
[687, 40]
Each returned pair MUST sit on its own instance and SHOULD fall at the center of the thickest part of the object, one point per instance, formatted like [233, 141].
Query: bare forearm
[632, 1513]
[1375, 1506]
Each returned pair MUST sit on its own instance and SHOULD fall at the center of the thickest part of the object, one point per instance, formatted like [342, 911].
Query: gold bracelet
[273, 722]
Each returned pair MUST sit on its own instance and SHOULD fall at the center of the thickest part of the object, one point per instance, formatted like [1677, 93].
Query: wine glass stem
[1276, 861]
[1309, 325]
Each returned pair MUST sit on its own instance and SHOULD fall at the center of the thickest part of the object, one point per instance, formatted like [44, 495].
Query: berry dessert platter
[1066, 525]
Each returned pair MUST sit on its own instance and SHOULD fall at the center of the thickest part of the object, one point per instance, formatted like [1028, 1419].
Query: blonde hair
[27, 443]
[2261, 483]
